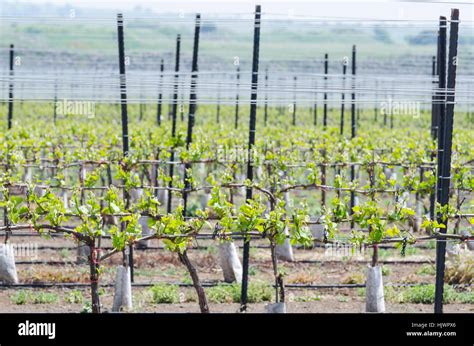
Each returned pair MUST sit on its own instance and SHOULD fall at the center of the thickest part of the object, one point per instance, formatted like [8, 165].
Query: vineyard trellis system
[94, 213]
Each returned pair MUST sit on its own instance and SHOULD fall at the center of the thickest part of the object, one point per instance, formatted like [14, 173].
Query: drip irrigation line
[209, 284]
[328, 261]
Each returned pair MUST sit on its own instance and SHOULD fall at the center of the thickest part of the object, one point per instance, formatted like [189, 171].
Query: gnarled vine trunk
[196, 283]
[94, 277]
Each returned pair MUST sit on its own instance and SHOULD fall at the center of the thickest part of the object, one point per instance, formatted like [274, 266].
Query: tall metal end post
[10, 88]
[192, 106]
[444, 176]
[123, 85]
[55, 101]
[441, 98]
[237, 97]
[325, 106]
[218, 106]
[160, 95]
[343, 96]
[434, 120]
[353, 122]
[315, 105]
[253, 116]
[265, 111]
[353, 95]
[173, 115]
[435, 115]
[123, 107]
[294, 100]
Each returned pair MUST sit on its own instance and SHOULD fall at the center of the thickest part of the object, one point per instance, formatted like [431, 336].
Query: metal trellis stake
[294, 101]
[218, 106]
[236, 125]
[55, 102]
[353, 121]
[253, 115]
[173, 115]
[435, 109]
[123, 105]
[160, 95]
[441, 97]
[343, 96]
[192, 105]
[265, 110]
[325, 106]
[10, 88]
[315, 105]
[445, 174]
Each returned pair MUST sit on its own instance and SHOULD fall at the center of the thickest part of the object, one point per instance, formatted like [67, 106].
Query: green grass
[282, 270]
[386, 271]
[257, 292]
[411, 250]
[186, 279]
[74, 297]
[420, 294]
[102, 291]
[383, 253]
[423, 294]
[44, 298]
[165, 294]
[253, 251]
[65, 253]
[19, 298]
[170, 271]
[300, 42]
[253, 271]
[342, 299]
[427, 269]
[145, 272]
[307, 298]
[87, 308]
[220, 294]
[25, 297]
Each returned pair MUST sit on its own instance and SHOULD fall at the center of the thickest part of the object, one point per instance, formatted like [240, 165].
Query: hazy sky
[373, 9]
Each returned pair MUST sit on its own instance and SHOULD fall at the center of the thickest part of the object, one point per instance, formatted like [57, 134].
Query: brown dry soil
[312, 266]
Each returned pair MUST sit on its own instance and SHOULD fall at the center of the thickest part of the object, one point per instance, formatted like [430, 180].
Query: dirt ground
[311, 266]
[328, 303]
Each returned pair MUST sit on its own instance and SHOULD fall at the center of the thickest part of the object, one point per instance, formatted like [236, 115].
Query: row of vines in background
[375, 187]
[87, 194]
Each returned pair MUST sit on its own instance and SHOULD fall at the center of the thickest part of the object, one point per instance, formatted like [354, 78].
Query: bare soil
[312, 266]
